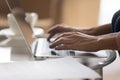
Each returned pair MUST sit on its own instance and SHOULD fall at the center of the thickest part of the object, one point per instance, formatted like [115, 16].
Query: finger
[53, 29]
[64, 47]
[58, 29]
[59, 42]
[50, 36]
[53, 34]
[63, 35]
[56, 43]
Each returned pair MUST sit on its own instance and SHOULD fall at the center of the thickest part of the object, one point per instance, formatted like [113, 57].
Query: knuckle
[62, 39]
[58, 26]
[62, 34]
[76, 32]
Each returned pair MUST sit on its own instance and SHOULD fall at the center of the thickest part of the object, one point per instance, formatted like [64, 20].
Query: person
[94, 39]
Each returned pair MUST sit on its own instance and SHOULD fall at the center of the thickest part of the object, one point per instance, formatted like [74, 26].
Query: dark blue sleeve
[116, 22]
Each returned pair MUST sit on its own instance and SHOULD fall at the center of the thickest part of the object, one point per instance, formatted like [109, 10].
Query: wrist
[118, 41]
[90, 31]
[107, 42]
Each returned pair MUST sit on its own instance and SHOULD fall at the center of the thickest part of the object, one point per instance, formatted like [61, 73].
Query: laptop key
[72, 53]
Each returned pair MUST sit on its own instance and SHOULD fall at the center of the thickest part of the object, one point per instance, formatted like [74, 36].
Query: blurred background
[76, 13]
[79, 13]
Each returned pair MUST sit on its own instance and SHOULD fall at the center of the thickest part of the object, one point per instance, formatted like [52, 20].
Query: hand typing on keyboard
[61, 52]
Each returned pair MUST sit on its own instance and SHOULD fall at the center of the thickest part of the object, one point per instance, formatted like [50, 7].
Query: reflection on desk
[10, 34]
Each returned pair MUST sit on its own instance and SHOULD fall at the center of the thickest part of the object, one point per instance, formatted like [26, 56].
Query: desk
[19, 52]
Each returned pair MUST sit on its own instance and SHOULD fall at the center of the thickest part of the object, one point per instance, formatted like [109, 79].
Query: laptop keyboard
[44, 50]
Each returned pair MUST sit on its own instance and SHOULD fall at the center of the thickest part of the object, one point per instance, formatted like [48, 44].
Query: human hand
[76, 41]
[59, 29]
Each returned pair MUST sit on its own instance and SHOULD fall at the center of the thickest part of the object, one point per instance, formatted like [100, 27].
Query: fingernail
[50, 46]
[57, 48]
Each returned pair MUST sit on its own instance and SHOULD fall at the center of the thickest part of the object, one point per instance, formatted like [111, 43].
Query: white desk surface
[62, 68]
[13, 54]
[15, 62]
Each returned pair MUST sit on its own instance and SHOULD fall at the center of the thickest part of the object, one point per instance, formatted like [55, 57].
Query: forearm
[100, 30]
[108, 41]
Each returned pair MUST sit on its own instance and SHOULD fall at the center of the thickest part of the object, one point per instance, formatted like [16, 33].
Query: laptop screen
[19, 17]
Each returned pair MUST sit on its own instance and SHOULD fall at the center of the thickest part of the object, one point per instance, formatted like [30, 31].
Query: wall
[41, 7]
[107, 10]
[80, 12]
[84, 13]
[72, 12]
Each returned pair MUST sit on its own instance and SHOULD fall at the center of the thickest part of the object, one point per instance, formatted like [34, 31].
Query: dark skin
[100, 30]
[93, 39]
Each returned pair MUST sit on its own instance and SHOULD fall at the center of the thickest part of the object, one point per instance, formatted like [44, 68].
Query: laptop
[38, 48]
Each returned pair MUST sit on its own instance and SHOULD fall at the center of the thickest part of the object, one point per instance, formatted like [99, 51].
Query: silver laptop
[38, 48]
